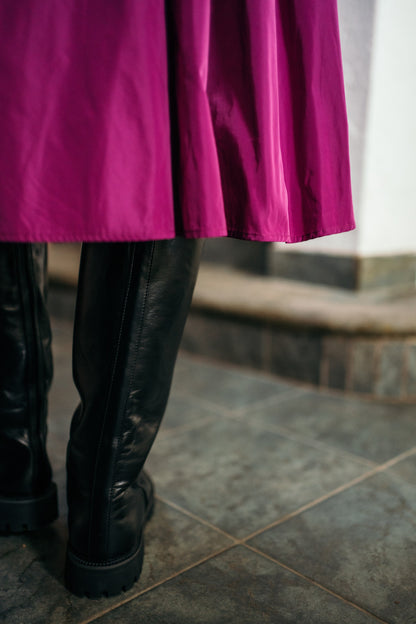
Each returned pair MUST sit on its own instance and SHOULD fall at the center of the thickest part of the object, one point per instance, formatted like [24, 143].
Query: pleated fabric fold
[148, 120]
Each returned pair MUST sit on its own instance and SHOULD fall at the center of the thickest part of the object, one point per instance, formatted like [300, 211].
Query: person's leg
[28, 498]
[132, 305]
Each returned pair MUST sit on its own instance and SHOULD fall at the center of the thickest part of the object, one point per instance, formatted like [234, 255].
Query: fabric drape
[137, 120]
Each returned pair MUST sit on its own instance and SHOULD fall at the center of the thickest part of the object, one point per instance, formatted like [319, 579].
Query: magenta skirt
[131, 120]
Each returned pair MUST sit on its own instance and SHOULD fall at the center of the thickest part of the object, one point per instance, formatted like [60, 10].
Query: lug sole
[96, 581]
[19, 514]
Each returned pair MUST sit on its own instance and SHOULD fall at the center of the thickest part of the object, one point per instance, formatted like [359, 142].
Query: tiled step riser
[373, 366]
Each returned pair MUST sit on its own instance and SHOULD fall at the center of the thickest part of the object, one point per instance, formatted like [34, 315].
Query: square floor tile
[185, 412]
[360, 544]
[240, 477]
[222, 386]
[372, 430]
[237, 587]
[31, 568]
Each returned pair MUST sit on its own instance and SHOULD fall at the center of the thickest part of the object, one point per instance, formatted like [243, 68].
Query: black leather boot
[28, 498]
[133, 301]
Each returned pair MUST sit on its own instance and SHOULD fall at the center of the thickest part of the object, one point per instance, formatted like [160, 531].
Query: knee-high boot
[28, 497]
[132, 304]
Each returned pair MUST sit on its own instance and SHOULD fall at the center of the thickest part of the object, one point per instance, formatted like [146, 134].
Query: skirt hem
[215, 233]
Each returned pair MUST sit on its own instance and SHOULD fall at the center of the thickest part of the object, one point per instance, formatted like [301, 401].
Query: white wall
[379, 55]
[388, 200]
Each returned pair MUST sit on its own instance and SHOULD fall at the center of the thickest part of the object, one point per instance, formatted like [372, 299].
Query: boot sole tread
[95, 580]
[103, 579]
[20, 514]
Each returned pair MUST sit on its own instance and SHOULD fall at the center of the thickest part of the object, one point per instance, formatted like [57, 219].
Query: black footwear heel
[98, 579]
[92, 580]
[27, 514]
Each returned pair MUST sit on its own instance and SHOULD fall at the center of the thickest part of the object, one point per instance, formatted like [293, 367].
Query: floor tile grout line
[97, 616]
[313, 442]
[201, 422]
[236, 416]
[319, 445]
[219, 414]
[244, 370]
[206, 403]
[316, 583]
[397, 459]
[258, 374]
[339, 490]
[190, 514]
[285, 395]
[238, 413]
[296, 512]
[146, 590]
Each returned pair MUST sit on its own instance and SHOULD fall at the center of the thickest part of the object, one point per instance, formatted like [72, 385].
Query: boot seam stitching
[107, 404]
[140, 333]
[105, 562]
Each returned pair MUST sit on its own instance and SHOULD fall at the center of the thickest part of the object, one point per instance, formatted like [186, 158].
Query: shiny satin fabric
[133, 121]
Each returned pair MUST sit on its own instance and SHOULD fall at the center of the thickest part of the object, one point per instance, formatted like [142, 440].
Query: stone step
[357, 343]
[360, 343]
[297, 304]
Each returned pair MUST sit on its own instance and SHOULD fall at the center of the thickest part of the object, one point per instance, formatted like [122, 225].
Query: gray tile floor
[276, 504]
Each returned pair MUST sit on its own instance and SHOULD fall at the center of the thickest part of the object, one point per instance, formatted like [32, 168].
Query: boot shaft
[132, 305]
[25, 369]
